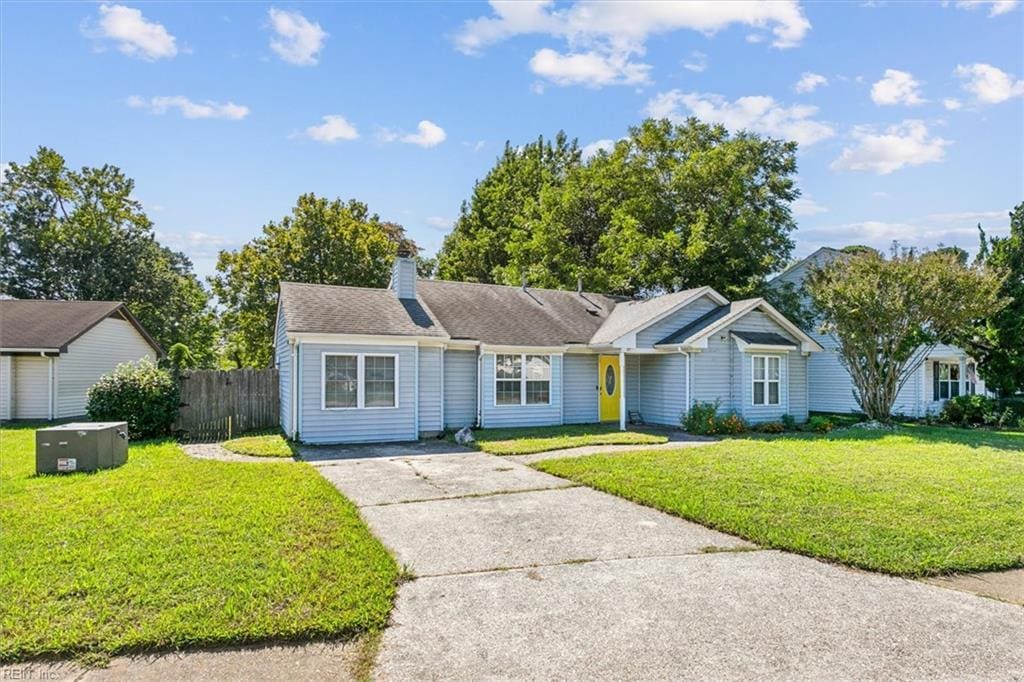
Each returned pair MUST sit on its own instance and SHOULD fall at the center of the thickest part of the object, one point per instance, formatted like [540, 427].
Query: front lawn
[525, 441]
[169, 551]
[272, 445]
[919, 501]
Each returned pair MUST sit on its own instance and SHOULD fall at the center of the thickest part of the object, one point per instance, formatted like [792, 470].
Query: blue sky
[910, 115]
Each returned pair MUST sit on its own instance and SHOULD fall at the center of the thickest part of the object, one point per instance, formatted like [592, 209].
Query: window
[359, 381]
[947, 380]
[767, 374]
[521, 379]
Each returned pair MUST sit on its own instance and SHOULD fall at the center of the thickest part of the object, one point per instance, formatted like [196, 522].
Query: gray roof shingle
[766, 338]
[330, 309]
[631, 315]
[39, 324]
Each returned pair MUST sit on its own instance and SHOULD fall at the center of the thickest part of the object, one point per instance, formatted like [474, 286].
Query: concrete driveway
[524, 575]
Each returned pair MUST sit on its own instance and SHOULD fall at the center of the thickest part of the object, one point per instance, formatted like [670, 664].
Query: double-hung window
[947, 380]
[357, 380]
[522, 379]
[767, 374]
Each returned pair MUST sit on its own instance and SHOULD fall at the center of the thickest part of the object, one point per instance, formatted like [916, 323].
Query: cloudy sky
[910, 116]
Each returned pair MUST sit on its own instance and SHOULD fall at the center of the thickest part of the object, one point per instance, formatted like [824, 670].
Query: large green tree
[321, 242]
[79, 235]
[670, 206]
[998, 340]
[888, 313]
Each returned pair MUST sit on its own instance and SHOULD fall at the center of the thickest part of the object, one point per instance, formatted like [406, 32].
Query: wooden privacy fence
[216, 405]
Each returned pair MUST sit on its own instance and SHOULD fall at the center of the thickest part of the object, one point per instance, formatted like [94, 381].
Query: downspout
[416, 391]
[298, 389]
[686, 385]
[561, 391]
[479, 379]
[622, 389]
[294, 407]
[444, 352]
[49, 384]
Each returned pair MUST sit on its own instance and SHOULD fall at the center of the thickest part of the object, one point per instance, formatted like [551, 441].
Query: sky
[910, 116]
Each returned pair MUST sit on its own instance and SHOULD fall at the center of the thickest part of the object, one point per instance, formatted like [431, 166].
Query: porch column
[963, 376]
[622, 390]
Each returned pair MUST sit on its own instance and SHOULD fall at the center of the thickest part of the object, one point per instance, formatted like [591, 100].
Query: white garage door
[31, 393]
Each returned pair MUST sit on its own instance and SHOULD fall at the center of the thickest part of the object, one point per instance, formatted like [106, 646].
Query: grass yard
[921, 501]
[526, 441]
[271, 445]
[169, 551]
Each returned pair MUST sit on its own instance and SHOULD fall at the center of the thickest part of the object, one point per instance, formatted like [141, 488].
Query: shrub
[702, 418]
[770, 427]
[1016, 404]
[820, 424]
[789, 422]
[142, 394]
[966, 410]
[731, 424]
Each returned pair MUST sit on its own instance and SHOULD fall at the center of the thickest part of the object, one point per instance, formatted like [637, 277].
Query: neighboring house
[945, 371]
[52, 352]
[365, 365]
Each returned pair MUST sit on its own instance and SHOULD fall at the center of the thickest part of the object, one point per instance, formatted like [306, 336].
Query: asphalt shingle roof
[40, 324]
[766, 338]
[631, 315]
[328, 309]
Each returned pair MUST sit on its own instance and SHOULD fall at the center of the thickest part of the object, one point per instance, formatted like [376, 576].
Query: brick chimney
[403, 274]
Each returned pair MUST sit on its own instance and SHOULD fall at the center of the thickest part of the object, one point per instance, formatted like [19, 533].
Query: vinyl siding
[459, 388]
[646, 338]
[283, 360]
[580, 405]
[430, 389]
[31, 392]
[633, 383]
[5, 386]
[520, 415]
[368, 425]
[662, 388]
[99, 351]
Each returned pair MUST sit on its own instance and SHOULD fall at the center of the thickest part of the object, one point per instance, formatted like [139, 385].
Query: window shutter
[935, 381]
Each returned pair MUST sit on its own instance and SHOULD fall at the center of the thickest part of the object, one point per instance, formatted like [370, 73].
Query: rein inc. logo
[30, 672]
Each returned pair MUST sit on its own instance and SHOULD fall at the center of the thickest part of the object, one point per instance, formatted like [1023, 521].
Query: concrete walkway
[524, 575]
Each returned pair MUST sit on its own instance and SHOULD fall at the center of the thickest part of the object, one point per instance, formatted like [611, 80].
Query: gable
[647, 337]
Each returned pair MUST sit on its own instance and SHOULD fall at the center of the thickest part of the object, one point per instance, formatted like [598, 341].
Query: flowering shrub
[770, 427]
[702, 418]
[732, 424]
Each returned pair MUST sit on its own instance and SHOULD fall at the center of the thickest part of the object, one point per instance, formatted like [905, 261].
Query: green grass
[920, 501]
[272, 445]
[525, 441]
[169, 551]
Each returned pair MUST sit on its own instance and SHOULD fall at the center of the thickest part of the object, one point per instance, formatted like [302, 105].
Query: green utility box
[82, 446]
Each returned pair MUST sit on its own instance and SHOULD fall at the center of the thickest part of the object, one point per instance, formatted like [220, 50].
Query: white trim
[521, 350]
[295, 388]
[522, 379]
[748, 347]
[416, 391]
[30, 350]
[700, 339]
[702, 291]
[622, 389]
[364, 339]
[50, 391]
[444, 352]
[766, 381]
[360, 381]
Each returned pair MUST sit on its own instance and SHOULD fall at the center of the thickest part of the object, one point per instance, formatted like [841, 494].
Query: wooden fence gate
[217, 405]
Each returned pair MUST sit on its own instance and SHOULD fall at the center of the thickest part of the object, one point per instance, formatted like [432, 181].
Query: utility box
[82, 446]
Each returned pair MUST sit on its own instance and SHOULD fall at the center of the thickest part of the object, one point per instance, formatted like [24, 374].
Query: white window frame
[522, 379]
[766, 381]
[360, 380]
[950, 382]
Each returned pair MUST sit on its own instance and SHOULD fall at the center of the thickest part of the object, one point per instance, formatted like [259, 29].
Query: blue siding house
[364, 365]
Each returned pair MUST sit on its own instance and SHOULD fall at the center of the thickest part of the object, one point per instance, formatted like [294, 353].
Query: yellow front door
[610, 384]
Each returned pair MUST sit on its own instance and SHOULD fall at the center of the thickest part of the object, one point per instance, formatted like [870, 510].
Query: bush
[770, 427]
[820, 424]
[1015, 404]
[789, 422]
[967, 410]
[702, 418]
[143, 395]
[731, 424]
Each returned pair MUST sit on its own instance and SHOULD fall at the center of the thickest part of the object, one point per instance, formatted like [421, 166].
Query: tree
[670, 207]
[79, 235]
[321, 242]
[997, 341]
[888, 314]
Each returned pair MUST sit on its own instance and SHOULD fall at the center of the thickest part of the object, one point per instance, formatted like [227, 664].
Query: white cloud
[194, 243]
[590, 150]
[697, 62]
[897, 87]
[905, 144]
[806, 206]
[298, 40]
[592, 69]
[809, 82]
[334, 127]
[439, 223]
[134, 35]
[428, 134]
[760, 114]
[188, 108]
[951, 229]
[988, 84]
[951, 103]
[603, 37]
[996, 7]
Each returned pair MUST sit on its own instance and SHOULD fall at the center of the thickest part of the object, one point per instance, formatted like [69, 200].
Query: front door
[610, 385]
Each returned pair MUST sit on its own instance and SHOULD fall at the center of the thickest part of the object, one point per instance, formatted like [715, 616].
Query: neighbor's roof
[827, 252]
[52, 325]
[329, 309]
[513, 316]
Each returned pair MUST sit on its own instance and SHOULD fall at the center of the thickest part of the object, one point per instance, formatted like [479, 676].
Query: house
[397, 363]
[945, 371]
[52, 352]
